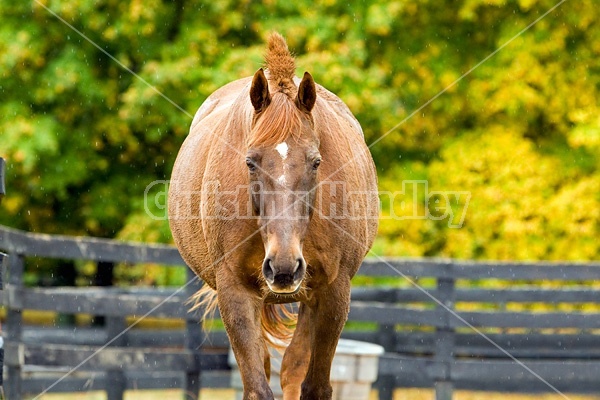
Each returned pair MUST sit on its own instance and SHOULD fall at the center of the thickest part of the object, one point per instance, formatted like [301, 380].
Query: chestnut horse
[273, 200]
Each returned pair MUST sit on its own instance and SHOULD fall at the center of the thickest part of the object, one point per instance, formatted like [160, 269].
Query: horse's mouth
[272, 297]
[285, 292]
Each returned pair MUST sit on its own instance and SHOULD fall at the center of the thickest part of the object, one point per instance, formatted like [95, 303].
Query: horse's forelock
[279, 121]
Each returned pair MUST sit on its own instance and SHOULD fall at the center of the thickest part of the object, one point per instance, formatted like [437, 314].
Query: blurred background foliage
[83, 137]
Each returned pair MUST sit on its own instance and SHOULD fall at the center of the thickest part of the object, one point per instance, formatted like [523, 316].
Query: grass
[227, 394]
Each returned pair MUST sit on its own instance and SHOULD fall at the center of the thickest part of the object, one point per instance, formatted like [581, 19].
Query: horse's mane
[282, 118]
[280, 63]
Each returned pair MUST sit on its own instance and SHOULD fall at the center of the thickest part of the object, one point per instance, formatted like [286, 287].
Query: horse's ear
[307, 93]
[259, 91]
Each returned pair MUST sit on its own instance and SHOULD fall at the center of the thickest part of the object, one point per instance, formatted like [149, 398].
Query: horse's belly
[188, 200]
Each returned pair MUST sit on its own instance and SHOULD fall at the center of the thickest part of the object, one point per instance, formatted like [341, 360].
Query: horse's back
[340, 109]
[220, 100]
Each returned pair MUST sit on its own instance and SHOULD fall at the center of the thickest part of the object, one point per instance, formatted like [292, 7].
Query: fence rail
[444, 324]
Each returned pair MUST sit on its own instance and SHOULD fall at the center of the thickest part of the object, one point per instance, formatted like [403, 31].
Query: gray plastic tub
[353, 371]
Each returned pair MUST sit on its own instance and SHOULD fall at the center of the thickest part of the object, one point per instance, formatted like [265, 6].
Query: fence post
[387, 339]
[444, 346]
[116, 382]
[14, 326]
[115, 378]
[193, 341]
[3, 260]
[2, 187]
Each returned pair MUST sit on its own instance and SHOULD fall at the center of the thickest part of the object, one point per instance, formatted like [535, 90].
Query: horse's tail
[278, 322]
[205, 298]
[279, 61]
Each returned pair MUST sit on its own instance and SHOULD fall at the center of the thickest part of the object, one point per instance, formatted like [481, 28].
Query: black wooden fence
[112, 353]
[517, 327]
[507, 327]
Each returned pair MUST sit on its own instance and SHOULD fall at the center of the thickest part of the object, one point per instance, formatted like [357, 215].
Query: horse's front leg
[328, 316]
[296, 357]
[240, 311]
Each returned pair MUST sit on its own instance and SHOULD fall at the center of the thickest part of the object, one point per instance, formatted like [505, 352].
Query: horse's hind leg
[241, 315]
[296, 357]
[328, 317]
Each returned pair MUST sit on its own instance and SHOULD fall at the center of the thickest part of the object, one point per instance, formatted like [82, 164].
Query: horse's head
[283, 159]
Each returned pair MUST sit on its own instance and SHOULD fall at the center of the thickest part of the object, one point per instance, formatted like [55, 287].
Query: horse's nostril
[268, 270]
[299, 269]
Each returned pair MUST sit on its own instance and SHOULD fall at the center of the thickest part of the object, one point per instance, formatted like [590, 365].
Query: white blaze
[282, 149]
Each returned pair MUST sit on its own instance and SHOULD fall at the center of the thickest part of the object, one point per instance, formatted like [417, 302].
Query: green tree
[83, 137]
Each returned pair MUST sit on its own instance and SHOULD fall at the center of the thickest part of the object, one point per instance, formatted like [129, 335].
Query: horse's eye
[251, 165]
[316, 163]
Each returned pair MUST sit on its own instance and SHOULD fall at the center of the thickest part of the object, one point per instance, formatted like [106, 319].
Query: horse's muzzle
[284, 278]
